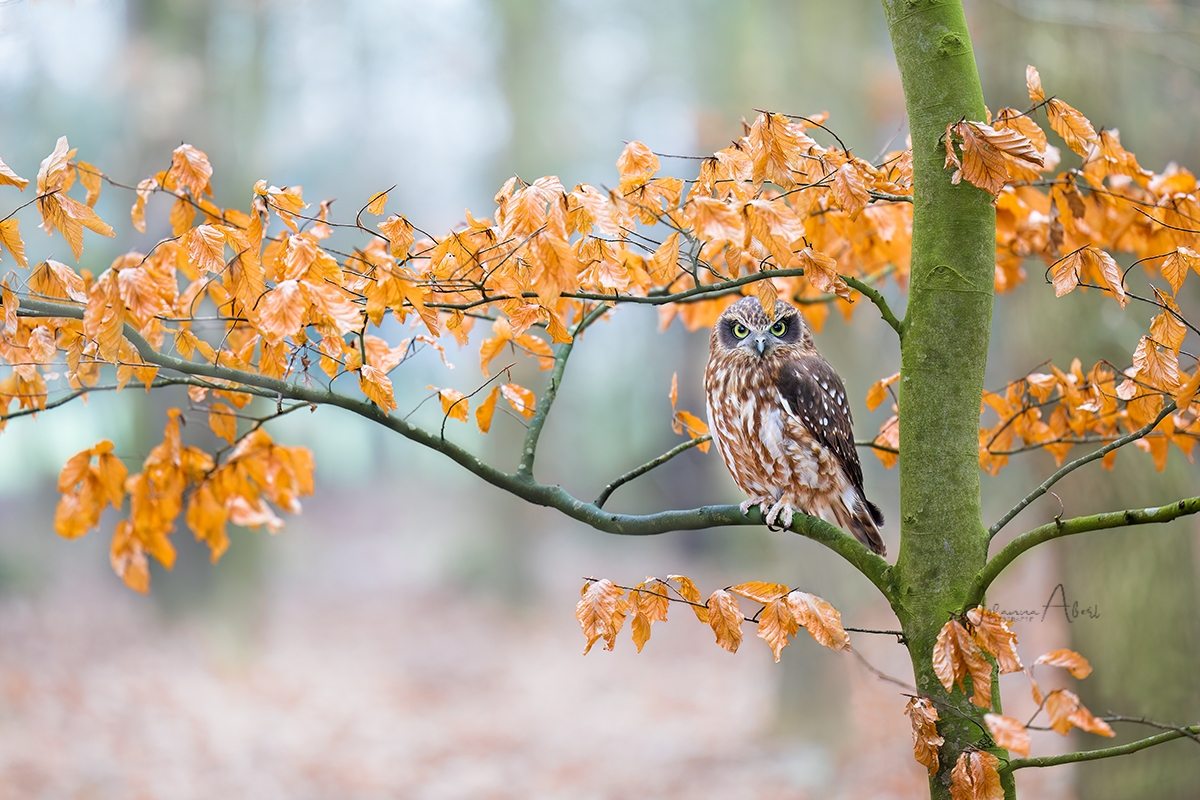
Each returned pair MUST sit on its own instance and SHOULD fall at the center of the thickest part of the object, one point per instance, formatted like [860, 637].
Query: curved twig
[649, 465]
[1068, 468]
[1068, 527]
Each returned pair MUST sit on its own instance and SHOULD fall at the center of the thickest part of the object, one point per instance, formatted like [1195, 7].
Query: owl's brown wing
[814, 393]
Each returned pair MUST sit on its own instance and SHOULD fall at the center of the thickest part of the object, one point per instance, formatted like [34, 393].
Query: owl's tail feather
[865, 525]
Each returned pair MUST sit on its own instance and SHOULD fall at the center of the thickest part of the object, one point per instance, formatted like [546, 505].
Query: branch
[649, 465]
[1070, 467]
[1107, 752]
[1068, 527]
[875, 297]
[654, 298]
[523, 486]
[538, 421]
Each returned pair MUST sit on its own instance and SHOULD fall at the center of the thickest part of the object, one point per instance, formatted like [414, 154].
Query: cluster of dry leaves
[967, 648]
[971, 648]
[1072, 221]
[603, 607]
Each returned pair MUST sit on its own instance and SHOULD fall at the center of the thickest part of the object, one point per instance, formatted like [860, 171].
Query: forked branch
[1070, 467]
[520, 484]
[1067, 527]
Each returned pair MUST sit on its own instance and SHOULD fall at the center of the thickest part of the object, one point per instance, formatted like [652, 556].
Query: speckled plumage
[781, 422]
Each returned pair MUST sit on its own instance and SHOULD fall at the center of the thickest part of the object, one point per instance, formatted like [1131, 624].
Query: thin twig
[1066, 469]
[649, 465]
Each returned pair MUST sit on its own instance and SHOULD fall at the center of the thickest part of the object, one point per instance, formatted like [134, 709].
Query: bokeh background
[411, 633]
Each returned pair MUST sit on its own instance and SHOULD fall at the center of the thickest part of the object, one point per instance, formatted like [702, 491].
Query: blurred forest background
[411, 634]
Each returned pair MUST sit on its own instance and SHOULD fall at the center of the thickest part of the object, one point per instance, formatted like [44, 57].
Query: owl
[781, 422]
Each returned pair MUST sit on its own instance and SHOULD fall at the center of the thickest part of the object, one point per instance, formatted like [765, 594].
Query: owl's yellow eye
[740, 330]
[779, 328]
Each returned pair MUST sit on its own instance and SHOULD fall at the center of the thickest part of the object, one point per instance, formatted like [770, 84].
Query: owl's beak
[761, 343]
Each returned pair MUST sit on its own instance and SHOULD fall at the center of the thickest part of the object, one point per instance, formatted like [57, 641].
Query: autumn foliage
[237, 304]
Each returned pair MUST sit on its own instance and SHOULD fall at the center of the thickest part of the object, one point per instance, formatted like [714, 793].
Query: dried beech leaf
[975, 777]
[689, 592]
[726, 619]
[1068, 660]
[926, 741]
[1009, 733]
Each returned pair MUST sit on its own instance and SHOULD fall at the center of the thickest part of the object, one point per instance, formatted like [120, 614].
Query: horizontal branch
[1070, 467]
[649, 465]
[654, 298]
[522, 485]
[1095, 755]
[1069, 527]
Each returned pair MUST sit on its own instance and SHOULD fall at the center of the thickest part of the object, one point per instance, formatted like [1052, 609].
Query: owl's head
[744, 329]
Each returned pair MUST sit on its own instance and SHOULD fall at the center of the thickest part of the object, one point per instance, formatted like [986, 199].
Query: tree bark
[944, 343]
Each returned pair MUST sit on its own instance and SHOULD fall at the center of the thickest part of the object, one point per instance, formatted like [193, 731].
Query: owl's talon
[761, 502]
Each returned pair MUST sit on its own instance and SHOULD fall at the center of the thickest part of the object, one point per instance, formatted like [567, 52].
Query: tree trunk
[944, 345]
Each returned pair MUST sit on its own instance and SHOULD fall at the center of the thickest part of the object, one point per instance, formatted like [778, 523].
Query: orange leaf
[878, 391]
[956, 655]
[10, 237]
[1033, 81]
[10, 178]
[849, 189]
[821, 271]
[485, 411]
[91, 179]
[665, 259]
[375, 207]
[994, 634]
[281, 311]
[975, 777]
[182, 214]
[1066, 273]
[926, 741]
[1069, 660]
[714, 220]
[1082, 718]
[648, 606]
[521, 399]
[399, 232]
[190, 169]
[206, 248]
[1187, 391]
[636, 164]
[138, 213]
[760, 592]
[821, 619]
[726, 619]
[1008, 733]
[377, 386]
[8, 299]
[454, 403]
[1073, 127]
[601, 612]
[223, 421]
[1065, 711]
[674, 390]
[888, 436]
[767, 295]
[128, 558]
[776, 623]
[1061, 704]
[689, 592]
[1176, 266]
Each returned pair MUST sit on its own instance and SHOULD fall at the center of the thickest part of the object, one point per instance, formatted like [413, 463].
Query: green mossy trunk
[944, 344]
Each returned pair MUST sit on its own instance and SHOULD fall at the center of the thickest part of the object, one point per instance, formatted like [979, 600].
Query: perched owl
[781, 422]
